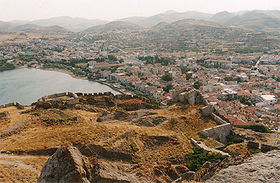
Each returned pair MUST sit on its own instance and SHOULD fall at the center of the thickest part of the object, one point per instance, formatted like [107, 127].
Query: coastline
[110, 85]
[63, 71]
[84, 78]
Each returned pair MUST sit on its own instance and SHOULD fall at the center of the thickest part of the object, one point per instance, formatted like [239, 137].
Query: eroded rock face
[259, 168]
[67, 164]
[115, 173]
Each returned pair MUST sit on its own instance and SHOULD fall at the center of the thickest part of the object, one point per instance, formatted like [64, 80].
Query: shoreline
[84, 78]
[62, 71]
[110, 85]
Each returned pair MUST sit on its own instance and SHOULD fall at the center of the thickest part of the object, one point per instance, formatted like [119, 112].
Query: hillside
[123, 130]
[257, 20]
[114, 26]
[44, 30]
[69, 23]
[6, 26]
[168, 17]
[186, 34]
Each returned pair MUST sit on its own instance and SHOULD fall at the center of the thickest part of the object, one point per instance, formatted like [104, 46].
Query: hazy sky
[115, 9]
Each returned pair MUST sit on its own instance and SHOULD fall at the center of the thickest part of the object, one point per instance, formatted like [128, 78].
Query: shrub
[200, 156]
[167, 77]
[197, 85]
[233, 139]
[167, 88]
[256, 128]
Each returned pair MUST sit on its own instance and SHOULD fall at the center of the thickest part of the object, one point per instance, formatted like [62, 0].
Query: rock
[259, 168]
[150, 121]
[4, 115]
[120, 115]
[67, 164]
[115, 173]
[181, 169]
[207, 110]
[188, 175]
[19, 105]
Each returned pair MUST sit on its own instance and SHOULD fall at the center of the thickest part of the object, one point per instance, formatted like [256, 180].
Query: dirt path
[18, 164]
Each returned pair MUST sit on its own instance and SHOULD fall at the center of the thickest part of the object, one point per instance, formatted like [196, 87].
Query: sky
[116, 9]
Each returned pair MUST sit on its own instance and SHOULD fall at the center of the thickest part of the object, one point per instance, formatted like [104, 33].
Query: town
[244, 88]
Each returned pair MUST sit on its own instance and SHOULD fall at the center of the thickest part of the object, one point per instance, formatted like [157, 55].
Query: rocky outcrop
[67, 164]
[150, 121]
[19, 105]
[259, 168]
[115, 173]
[4, 115]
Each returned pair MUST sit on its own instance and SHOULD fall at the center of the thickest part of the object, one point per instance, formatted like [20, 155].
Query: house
[267, 100]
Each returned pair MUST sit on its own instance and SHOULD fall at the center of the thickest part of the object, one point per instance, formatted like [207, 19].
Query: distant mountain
[70, 23]
[114, 26]
[272, 13]
[257, 20]
[222, 17]
[25, 27]
[46, 29]
[6, 26]
[168, 17]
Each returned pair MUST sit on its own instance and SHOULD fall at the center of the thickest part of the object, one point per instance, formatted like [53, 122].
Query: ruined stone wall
[8, 105]
[218, 133]
[192, 97]
[218, 120]
[17, 104]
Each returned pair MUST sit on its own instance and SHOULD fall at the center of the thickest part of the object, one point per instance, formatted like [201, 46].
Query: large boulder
[67, 164]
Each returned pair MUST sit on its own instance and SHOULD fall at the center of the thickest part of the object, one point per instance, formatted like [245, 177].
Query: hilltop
[120, 129]
[129, 132]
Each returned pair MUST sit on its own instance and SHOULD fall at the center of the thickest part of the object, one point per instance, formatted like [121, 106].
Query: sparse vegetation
[197, 85]
[167, 77]
[199, 157]
[256, 128]
[245, 101]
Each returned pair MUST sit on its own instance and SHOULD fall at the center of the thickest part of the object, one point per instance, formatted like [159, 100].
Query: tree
[245, 101]
[188, 76]
[167, 77]
[167, 88]
[197, 85]
[112, 58]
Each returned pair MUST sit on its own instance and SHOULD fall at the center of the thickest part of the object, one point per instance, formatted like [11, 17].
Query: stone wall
[218, 133]
[218, 119]
[191, 96]
[7, 105]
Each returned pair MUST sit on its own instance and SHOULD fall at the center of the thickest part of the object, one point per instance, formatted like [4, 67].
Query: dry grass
[13, 174]
[238, 149]
[184, 122]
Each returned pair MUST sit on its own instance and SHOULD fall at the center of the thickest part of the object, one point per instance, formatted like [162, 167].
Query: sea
[27, 85]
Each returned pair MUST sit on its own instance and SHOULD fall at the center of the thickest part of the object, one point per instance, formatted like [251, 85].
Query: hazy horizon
[116, 9]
